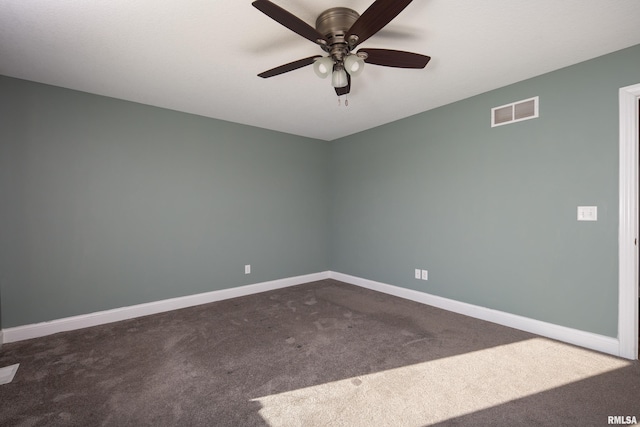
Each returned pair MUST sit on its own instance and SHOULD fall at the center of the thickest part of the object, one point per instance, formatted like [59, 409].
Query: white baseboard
[36, 330]
[561, 333]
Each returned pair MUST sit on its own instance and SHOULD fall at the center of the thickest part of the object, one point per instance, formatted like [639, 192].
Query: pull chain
[346, 100]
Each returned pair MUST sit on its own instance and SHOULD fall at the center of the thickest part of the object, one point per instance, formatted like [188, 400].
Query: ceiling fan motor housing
[333, 24]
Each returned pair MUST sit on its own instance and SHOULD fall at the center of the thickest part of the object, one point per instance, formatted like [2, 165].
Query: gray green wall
[491, 212]
[107, 203]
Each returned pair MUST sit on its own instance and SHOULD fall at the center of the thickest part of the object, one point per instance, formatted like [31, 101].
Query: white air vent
[515, 112]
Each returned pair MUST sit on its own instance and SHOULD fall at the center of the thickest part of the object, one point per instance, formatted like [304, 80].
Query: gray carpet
[323, 353]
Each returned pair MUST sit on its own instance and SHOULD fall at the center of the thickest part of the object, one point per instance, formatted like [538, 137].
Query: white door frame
[628, 223]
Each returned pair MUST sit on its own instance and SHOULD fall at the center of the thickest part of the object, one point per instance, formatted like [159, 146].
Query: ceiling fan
[338, 32]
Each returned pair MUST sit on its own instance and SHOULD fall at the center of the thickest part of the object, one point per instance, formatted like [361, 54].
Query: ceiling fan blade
[395, 58]
[289, 67]
[379, 14]
[289, 20]
[344, 90]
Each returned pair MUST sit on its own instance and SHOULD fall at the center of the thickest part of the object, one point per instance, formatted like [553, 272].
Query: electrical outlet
[425, 275]
[247, 269]
[417, 273]
[587, 213]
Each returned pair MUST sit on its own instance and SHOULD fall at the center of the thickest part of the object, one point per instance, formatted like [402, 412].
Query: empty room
[314, 213]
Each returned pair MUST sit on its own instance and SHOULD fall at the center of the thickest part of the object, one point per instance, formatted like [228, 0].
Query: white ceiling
[202, 56]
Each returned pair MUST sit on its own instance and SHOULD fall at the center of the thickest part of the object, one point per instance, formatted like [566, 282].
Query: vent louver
[515, 112]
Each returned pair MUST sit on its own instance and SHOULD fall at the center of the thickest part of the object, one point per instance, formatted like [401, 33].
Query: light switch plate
[587, 213]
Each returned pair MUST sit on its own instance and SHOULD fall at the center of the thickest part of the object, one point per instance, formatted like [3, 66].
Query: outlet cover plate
[587, 213]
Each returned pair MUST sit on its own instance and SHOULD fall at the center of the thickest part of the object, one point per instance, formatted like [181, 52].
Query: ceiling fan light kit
[338, 32]
[354, 65]
[339, 77]
[323, 66]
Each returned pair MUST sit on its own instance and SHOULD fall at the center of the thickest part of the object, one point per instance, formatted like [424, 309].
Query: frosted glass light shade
[354, 65]
[323, 66]
[339, 78]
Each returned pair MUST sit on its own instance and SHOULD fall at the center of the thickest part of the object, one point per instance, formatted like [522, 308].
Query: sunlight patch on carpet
[7, 373]
[441, 389]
